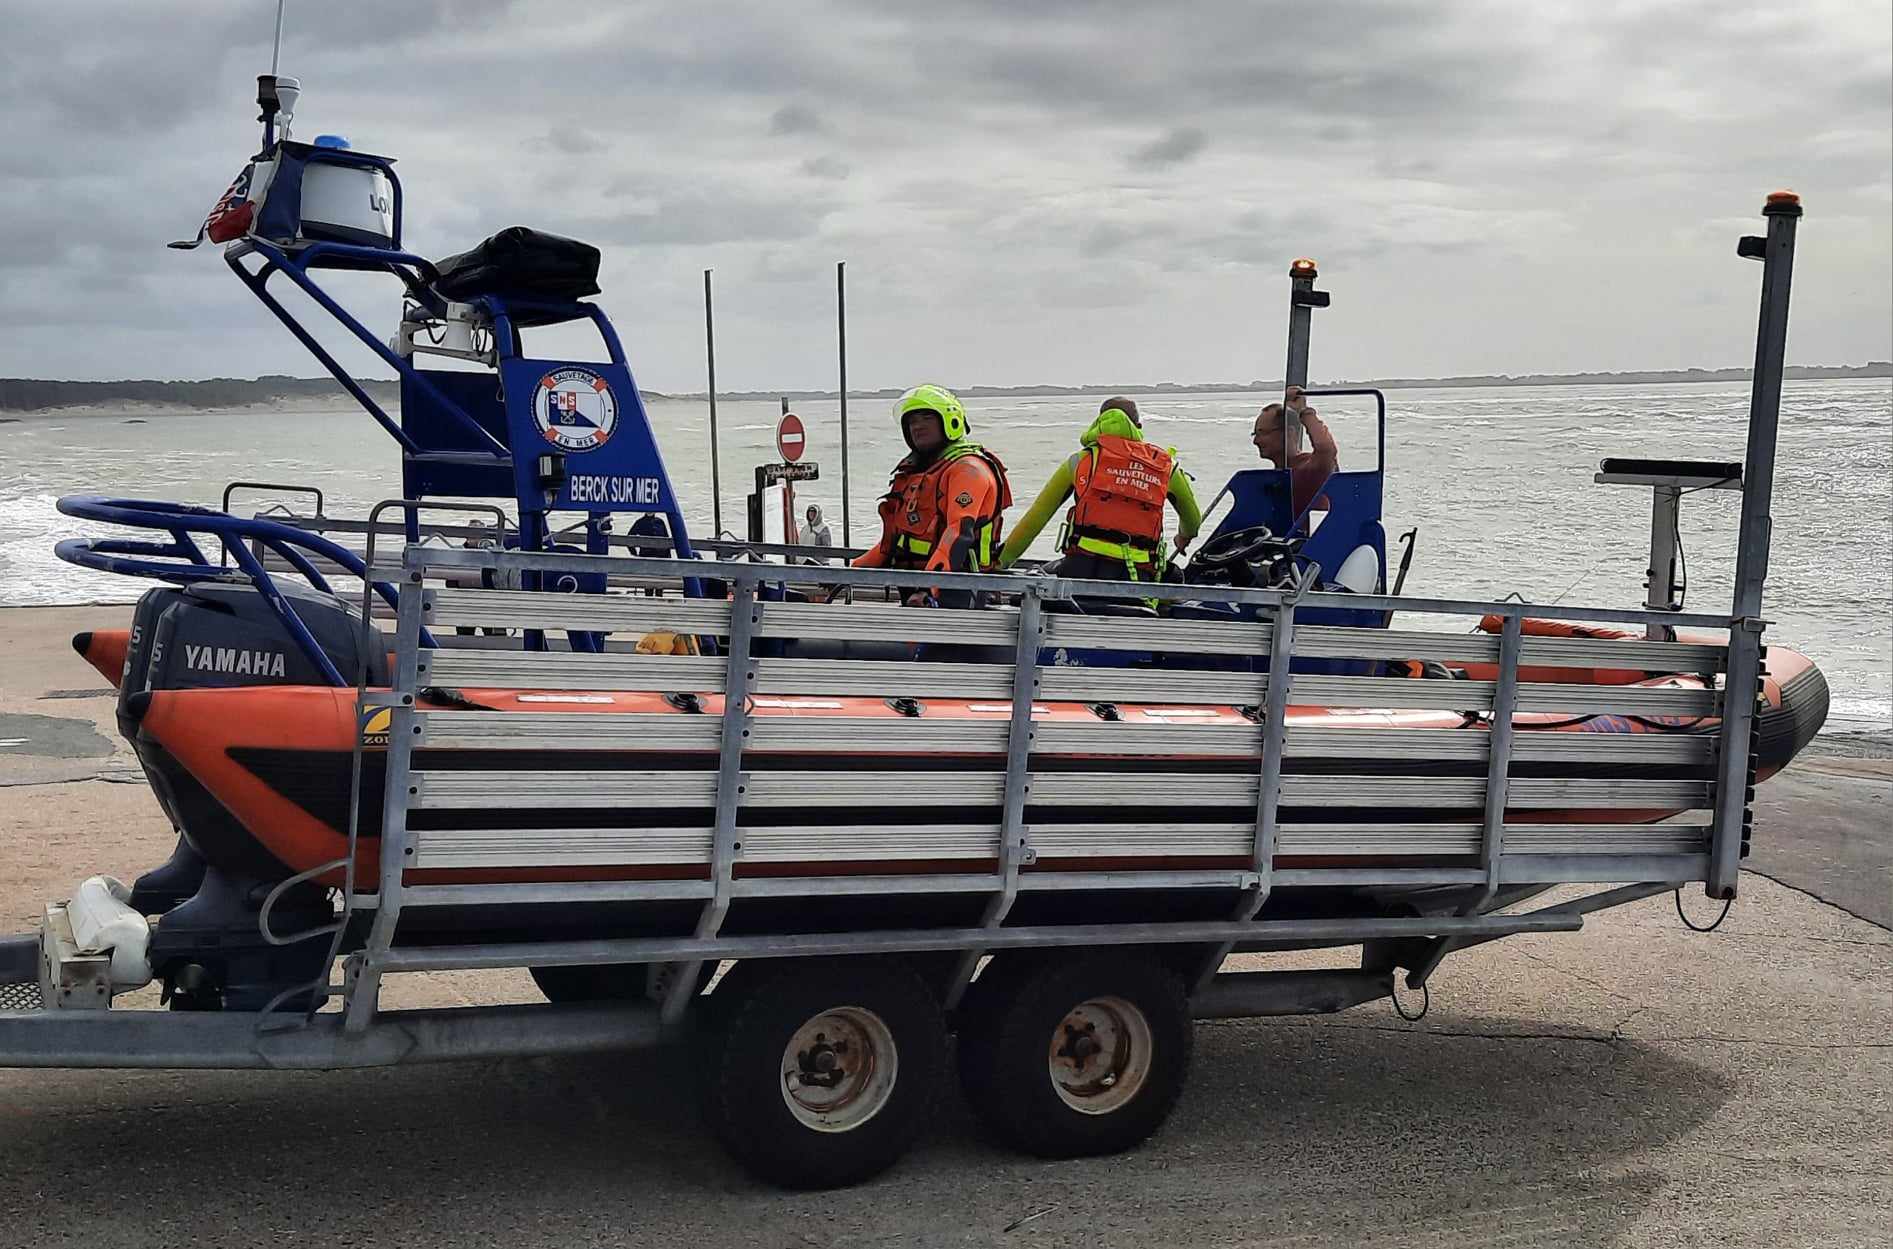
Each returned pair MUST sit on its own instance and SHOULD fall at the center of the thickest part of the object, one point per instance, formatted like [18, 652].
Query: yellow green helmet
[937, 399]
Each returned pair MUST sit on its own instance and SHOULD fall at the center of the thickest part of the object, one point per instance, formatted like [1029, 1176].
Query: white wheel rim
[1100, 1053]
[838, 1069]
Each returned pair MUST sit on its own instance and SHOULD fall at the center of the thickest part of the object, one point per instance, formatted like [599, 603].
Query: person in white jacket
[816, 531]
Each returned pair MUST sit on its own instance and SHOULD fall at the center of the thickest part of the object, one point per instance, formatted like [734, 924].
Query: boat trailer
[802, 1028]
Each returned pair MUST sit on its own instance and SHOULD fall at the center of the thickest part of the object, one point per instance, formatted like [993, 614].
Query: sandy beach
[1634, 1083]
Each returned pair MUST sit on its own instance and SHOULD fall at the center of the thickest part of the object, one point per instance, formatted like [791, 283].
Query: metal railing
[1419, 787]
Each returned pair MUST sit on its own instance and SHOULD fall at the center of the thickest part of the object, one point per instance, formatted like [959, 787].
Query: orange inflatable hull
[239, 744]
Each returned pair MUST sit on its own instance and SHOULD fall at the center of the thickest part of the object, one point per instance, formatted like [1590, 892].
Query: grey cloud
[1868, 92]
[1373, 57]
[707, 217]
[1396, 166]
[1174, 148]
[796, 119]
[830, 167]
[992, 214]
[108, 83]
[1110, 238]
[1089, 290]
[573, 141]
[352, 25]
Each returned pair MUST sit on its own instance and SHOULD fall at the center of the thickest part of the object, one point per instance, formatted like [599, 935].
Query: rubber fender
[102, 919]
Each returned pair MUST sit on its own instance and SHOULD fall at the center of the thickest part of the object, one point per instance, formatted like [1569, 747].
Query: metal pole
[739, 680]
[1497, 788]
[1268, 794]
[841, 341]
[1014, 839]
[1301, 312]
[363, 995]
[1499, 761]
[1776, 252]
[276, 49]
[1665, 509]
[716, 470]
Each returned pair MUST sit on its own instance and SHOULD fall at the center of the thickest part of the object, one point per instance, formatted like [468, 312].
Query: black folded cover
[522, 264]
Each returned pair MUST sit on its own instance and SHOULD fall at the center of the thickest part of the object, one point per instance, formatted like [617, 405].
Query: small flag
[231, 216]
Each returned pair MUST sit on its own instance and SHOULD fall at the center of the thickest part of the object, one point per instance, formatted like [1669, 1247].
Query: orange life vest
[913, 510]
[1118, 489]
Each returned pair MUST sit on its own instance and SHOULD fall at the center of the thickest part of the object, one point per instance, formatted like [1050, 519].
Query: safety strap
[1116, 550]
[1130, 554]
[921, 548]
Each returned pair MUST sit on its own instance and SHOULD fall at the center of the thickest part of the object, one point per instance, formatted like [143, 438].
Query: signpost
[791, 442]
[777, 474]
[779, 480]
[791, 438]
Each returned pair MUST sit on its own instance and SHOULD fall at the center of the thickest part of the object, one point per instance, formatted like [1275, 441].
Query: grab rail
[182, 562]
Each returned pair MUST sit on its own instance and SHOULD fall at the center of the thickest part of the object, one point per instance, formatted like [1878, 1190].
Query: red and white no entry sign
[791, 440]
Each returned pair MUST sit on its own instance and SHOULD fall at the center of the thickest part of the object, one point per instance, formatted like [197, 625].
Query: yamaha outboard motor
[215, 635]
[207, 947]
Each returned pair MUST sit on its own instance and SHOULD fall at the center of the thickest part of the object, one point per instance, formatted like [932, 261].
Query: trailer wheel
[821, 1073]
[1071, 1057]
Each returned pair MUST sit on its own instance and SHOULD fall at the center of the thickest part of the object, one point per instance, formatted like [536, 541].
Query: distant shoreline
[1793, 373]
[36, 396]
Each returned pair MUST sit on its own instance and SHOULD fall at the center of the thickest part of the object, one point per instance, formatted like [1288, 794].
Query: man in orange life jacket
[1120, 484]
[944, 508]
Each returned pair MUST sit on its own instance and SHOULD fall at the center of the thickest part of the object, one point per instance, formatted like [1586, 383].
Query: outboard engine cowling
[214, 636]
[206, 947]
[217, 636]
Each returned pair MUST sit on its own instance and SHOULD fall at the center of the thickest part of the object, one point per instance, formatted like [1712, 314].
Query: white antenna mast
[276, 50]
[276, 93]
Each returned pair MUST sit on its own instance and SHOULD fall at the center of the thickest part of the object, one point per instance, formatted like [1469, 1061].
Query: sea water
[1498, 481]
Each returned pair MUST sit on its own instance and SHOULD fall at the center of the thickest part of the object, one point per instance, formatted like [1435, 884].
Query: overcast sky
[1024, 192]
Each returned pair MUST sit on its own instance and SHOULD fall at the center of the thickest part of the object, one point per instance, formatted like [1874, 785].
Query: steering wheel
[1242, 557]
[1239, 548]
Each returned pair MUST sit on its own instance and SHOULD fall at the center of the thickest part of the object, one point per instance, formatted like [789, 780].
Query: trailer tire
[1072, 1057]
[820, 1073]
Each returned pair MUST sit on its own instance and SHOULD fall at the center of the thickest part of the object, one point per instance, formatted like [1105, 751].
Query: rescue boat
[256, 696]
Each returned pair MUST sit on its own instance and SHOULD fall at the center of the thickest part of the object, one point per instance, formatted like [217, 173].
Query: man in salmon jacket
[1119, 484]
[945, 506]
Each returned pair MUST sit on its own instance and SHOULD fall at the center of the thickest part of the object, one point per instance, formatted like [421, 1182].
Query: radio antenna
[276, 95]
[276, 50]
